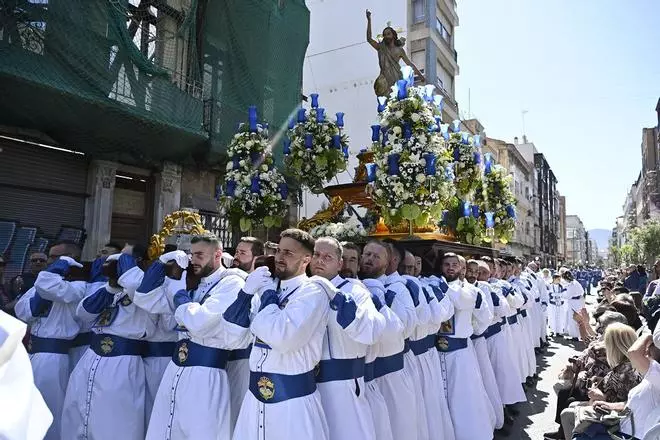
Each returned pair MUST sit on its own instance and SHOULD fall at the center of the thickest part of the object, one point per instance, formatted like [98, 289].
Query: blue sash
[369, 371]
[189, 354]
[48, 345]
[512, 319]
[330, 370]
[419, 346]
[445, 344]
[241, 353]
[493, 330]
[81, 340]
[159, 349]
[522, 313]
[406, 345]
[388, 364]
[110, 345]
[275, 388]
[577, 297]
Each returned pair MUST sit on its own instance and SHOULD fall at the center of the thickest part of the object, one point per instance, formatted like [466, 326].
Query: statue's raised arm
[370, 39]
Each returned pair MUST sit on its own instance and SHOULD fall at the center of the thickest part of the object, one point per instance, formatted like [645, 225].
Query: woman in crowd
[616, 384]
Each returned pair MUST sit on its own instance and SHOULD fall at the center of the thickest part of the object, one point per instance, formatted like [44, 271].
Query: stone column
[167, 194]
[98, 207]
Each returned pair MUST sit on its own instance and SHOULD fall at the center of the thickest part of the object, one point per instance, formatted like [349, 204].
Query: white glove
[258, 279]
[180, 257]
[113, 257]
[71, 261]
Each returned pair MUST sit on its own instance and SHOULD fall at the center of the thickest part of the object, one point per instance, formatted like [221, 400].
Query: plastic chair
[7, 233]
[72, 233]
[17, 254]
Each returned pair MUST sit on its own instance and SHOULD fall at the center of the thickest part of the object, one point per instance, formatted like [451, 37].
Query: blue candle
[375, 133]
[490, 220]
[457, 153]
[309, 141]
[382, 104]
[252, 118]
[287, 146]
[255, 157]
[371, 172]
[320, 114]
[489, 163]
[475, 211]
[467, 209]
[429, 168]
[438, 101]
[254, 185]
[428, 92]
[336, 141]
[385, 135]
[284, 190]
[292, 123]
[456, 125]
[236, 162]
[315, 100]
[344, 149]
[402, 89]
[438, 123]
[407, 130]
[477, 158]
[465, 139]
[477, 140]
[408, 74]
[231, 188]
[301, 115]
[393, 164]
[340, 119]
[511, 211]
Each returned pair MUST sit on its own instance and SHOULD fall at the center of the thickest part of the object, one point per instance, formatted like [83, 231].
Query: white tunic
[110, 383]
[526, 325]
[468, 402]
[288, 341]
[51, 370]
[556, 311]
[193, 401]
[348, 336]
[574, 297]
[25, 415]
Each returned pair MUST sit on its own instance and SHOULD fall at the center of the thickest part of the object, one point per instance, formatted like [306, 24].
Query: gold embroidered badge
[266, 387]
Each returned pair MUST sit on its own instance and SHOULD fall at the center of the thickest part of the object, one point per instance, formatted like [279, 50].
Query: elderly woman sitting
[616, 384]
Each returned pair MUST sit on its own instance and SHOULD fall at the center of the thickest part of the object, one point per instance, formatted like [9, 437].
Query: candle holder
[252, 118]
[336, 141]
[429, 167]
[315, 100]
[287, 146]
[320, 114]
[375, 133]
[393, 164]
[382, 104]
[340, 119]
[309, 141]
[371, 172]
[402, 89]
[302, 117]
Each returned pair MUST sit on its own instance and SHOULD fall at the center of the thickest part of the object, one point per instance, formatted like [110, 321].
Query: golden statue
[324, 216]
[178, 222]
[390, 53]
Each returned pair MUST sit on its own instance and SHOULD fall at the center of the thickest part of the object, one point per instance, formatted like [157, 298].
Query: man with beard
[193, 398]
[387, 371]
[500, 343]
[468, 401]
[414, 337]
[49, 308]
[418, 265]
[350, 260]
[247, 249]
[238, 365]
[353, 325]
[289, 328]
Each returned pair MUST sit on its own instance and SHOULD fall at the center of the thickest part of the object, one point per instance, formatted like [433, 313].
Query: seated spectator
[616, 384]
[627, 309]
[24, 282]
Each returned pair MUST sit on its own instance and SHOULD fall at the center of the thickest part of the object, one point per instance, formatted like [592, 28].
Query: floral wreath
[254, 190]
[411, 177]
[467, 160]
[497, 202]
[315, 149]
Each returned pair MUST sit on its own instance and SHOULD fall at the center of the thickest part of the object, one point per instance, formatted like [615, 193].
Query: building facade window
[419, 10]
[443, 31]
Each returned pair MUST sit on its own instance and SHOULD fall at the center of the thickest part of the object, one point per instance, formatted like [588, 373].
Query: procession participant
[238, 365]
[498, 342]
[25, 415]
[289, 329]
[542, 304]
[193, 398]
[483, 319]
[555, 307]
[418, 266]
[49, 309]
[468, 401]
[574, 297]
[350, 260]
[425, 354]
[516, 300]
[353, 325]
[110, 377]
[525, 287]
[422, 316]
[393, 381]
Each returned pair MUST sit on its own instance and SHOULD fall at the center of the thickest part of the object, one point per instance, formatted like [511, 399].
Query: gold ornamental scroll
[177, 223]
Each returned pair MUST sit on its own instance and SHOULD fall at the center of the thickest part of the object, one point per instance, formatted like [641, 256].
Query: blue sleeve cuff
[495, 298]
[439, 294]
[39, 307]
[125, 263]
[267, 298]
[427, 295]
[239, 311]
[59, 267]
[96, 272]
[346, 309]
[414, 291]
[153, 278]
[98, 301]
[181, 297]
[377, 303]
[389, 297]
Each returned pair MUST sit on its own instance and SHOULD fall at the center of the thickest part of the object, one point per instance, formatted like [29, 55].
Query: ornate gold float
[178, 222]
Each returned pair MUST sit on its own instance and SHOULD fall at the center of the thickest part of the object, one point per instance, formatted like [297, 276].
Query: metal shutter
[42, 186]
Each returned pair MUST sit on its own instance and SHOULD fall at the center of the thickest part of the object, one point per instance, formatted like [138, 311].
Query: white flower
[249, 144]
[264, 167]
[421, 178]
[396, 130]
[242, 163]
[379, 192]
[398, 114]
[415, 117]
[393, 212]
[230, 166]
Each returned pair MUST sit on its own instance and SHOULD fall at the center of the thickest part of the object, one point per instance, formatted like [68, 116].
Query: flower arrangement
[410, 178]
[467, 160]
[497, 202]
[254, 191]
[315, 148]
[350, 230]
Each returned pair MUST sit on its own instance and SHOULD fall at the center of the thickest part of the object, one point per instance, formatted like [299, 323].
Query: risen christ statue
[390, 52]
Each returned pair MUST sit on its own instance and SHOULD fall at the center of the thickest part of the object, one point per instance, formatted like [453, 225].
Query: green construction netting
[144, 80]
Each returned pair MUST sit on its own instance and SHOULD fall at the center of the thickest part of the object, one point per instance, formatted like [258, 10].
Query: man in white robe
[556, 307]
[574, 297]
[193, 399]
[528, 329]
[110, 377]
[49, 308]
[290, 323]
[468, 402]
[25, 415]
[353, 325]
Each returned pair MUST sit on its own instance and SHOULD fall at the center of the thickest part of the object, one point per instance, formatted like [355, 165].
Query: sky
[588, 74]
